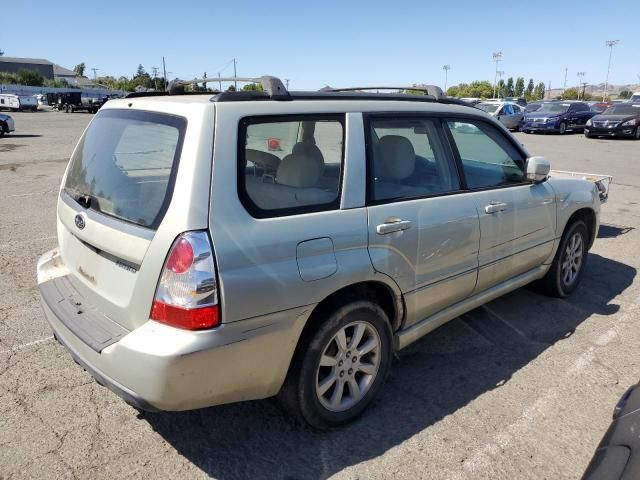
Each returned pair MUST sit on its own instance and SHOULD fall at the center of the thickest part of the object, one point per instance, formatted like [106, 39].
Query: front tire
[562, 129]
[568, 265]
[636, 133]
[339, 368]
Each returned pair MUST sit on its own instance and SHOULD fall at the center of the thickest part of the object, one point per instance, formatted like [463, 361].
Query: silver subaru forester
[231, 246]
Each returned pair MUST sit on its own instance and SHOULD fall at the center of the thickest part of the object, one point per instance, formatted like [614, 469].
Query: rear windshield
[488, 107]
[125, 164]
[623, 109]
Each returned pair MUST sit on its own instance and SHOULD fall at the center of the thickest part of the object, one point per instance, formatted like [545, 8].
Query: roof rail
[431, 90]
[272, 86]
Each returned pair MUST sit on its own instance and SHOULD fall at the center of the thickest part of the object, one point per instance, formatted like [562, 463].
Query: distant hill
[598, 89]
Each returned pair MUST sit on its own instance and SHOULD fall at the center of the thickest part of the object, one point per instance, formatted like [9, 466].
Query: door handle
[495, 207]
[393, 225]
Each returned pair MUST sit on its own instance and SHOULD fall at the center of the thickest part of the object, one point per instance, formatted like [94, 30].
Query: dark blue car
[559, 117]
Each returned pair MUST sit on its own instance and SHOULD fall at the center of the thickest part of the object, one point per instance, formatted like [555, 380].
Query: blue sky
[340, 43]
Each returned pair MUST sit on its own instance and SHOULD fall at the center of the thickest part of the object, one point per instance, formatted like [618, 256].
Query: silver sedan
[508, 113]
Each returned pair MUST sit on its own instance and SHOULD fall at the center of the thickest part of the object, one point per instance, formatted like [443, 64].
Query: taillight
[187, 293]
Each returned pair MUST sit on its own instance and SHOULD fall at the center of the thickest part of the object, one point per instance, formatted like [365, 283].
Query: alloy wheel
[572, 261]
[348, 366]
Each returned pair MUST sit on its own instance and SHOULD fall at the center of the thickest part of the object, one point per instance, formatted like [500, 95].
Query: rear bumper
[158, 367]
[610, 132]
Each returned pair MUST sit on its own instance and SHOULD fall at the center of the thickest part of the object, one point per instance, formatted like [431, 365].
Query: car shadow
[20, 135]
[612, 231]
[431, 379]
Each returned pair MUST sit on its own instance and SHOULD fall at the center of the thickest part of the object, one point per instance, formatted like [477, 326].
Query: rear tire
[569, 263]
[636, 134]
[339, 367]
[588, 135]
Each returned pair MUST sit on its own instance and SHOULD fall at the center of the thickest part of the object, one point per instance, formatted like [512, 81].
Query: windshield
[599, 107]
[488, 107]
[554, 107]
[622, 109]
[125, 164]
[532, 107]
[635, 98]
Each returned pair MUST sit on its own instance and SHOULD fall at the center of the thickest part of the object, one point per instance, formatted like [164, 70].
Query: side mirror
[538, 169]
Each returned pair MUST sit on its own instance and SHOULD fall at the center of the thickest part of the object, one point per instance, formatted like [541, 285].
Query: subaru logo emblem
[79, 221]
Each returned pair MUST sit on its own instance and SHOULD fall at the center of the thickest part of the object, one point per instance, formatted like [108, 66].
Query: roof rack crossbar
[272, 86]
[432, 90]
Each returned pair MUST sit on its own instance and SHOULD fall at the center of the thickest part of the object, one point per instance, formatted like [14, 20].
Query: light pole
[446, 69]
[497, 57]
[610, 44]
[580, 77]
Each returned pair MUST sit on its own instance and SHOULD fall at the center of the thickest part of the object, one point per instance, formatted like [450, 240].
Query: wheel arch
[588, 216]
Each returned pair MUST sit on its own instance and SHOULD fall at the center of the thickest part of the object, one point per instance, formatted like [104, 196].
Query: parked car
[15, 103]
[508, 113]
[618, 454]
[533, 106]
[635, 98]
[619, 120]
[195, 269]
[7, 124]
[559, 117]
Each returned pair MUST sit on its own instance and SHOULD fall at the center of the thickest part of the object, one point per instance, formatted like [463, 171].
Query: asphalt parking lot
[521, 388]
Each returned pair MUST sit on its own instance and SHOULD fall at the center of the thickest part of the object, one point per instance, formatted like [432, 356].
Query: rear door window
[125, 164]
[407, 159]
[290, 164]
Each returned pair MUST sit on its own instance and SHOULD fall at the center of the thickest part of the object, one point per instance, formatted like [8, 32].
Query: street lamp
[446, 69]
[580, 77]
[497, 57]
[610, 44]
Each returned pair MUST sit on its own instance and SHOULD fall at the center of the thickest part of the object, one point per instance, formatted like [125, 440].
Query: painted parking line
[27, 345]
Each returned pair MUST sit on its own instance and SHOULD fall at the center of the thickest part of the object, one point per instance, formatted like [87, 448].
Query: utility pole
[564, 87]
[95, 75]
[497, 57]
[584, 85]
[235, 75]
[549, 89]
[580, 76]
[610, 44]
[500, 74]
[286, 81]
[446, 69]
[155, 77]
[219, 82]
[164, 69]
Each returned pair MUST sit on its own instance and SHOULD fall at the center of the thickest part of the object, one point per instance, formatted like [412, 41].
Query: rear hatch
[117, 216]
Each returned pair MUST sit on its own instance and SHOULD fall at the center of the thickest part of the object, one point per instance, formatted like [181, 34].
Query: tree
[570, 94]
[140, 72]
[231, 88]
[500, 88]
[529, 91]
[509, 90]
[256, 87]
[453, 91]
[1, 52]
[30, 77]
[79, 69]
[539, 91]
[519, 91]
[625, 94]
